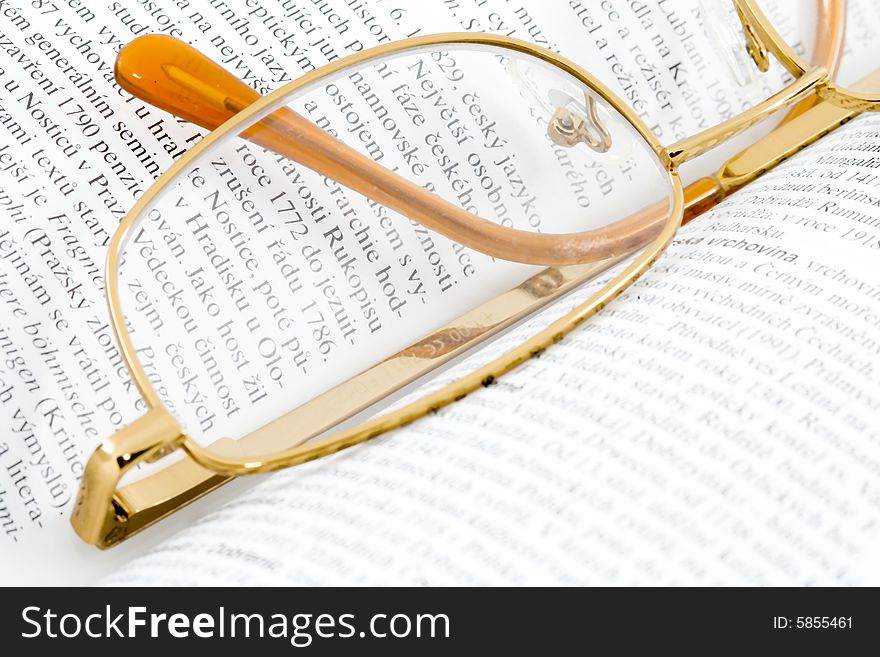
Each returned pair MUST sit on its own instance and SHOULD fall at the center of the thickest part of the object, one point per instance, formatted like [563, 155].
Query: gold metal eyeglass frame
[106, 513]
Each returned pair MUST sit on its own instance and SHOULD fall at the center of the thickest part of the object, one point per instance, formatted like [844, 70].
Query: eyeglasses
[495, 143]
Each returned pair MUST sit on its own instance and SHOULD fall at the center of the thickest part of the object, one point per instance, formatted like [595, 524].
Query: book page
[76, 152]
[717, 424]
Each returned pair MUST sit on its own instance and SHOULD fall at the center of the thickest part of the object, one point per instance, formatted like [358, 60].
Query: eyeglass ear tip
[132, 57]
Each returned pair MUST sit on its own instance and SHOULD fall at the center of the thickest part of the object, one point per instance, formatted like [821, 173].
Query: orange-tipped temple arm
[175, 77]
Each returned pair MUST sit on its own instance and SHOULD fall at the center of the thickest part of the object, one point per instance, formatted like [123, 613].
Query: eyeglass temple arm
[177, 78]
[139, 504]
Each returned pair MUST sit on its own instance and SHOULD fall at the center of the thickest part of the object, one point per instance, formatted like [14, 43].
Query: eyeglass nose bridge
[99, 516]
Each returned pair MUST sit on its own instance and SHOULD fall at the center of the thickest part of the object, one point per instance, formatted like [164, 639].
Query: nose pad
[567, 128]
[735, 43]
[571, 113]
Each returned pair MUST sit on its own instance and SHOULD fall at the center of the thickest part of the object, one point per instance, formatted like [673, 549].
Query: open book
[718, 423]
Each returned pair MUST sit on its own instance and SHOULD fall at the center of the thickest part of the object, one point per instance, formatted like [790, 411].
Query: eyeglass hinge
[99, 516]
